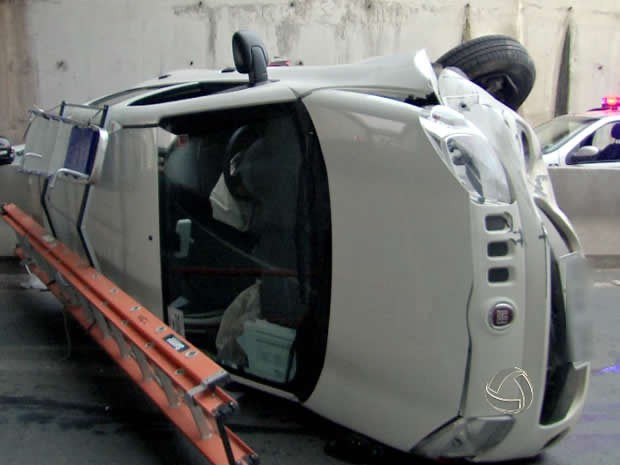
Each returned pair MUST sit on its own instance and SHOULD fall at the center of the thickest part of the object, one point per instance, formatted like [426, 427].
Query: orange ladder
[179, 378]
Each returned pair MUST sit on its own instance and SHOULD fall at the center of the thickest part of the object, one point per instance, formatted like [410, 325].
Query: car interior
[252, 194]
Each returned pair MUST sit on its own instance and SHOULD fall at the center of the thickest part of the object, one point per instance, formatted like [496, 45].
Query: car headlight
[468, 154]
[466, 437]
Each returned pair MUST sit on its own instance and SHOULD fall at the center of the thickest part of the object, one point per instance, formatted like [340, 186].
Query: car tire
[497, 63]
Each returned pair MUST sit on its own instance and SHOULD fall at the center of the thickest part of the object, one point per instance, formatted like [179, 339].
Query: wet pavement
[63, 402]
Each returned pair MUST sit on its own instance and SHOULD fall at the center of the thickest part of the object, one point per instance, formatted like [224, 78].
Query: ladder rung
[87, 309]
[102, 323]
[123, 347]
[200, 419]
[166, 383]
[145, 367]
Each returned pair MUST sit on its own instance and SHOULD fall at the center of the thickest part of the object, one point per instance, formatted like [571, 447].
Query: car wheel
[499, 64]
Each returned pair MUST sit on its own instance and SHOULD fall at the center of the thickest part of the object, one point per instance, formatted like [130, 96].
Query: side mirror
[587, 154]
[7, 154]
[250, 56]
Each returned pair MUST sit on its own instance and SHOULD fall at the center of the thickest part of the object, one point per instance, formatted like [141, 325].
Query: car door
[245, 240]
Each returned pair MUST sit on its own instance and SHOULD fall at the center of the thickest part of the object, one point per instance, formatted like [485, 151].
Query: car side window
[602, 136]
[608, 145]
[246, 240]
[603, 140]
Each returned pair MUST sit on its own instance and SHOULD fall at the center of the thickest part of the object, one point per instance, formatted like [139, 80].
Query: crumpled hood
[513, 139]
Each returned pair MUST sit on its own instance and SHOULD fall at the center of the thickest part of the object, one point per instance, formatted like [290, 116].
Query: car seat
[262, 167]
[612, 151]
[268, 173]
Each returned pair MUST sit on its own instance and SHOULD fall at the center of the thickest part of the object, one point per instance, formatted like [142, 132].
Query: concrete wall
[79, 49]
[14, 188]
[18, 73]
[591, 199]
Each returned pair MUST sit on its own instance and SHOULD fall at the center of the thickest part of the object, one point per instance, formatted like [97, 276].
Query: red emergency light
[611, 102]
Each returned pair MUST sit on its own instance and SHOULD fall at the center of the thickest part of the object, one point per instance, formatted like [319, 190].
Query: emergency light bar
[611, 102]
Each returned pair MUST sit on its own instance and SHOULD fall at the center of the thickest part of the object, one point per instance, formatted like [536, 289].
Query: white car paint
[410, 351]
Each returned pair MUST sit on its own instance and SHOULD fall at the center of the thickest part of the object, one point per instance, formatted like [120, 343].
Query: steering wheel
[241, 139]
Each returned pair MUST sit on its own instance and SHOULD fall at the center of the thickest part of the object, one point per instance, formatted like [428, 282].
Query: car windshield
[556, 132]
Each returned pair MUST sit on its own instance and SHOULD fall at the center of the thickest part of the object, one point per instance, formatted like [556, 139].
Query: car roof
[602, 113]
[597, 114]
[409, 74]
[183, 76]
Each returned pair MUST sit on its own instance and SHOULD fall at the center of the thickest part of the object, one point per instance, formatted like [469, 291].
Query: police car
[590, 138]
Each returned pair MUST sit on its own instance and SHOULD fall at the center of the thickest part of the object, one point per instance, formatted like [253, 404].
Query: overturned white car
[377, 241]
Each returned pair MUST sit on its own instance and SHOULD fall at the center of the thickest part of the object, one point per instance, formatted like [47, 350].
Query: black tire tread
[459, 56]
[494, 54]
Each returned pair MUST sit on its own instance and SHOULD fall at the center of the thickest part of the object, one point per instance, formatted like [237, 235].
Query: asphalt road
[64, 403]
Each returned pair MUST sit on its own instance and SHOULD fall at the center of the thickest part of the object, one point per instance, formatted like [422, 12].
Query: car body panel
[398, 286]
[127, 247]
[410, 348]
